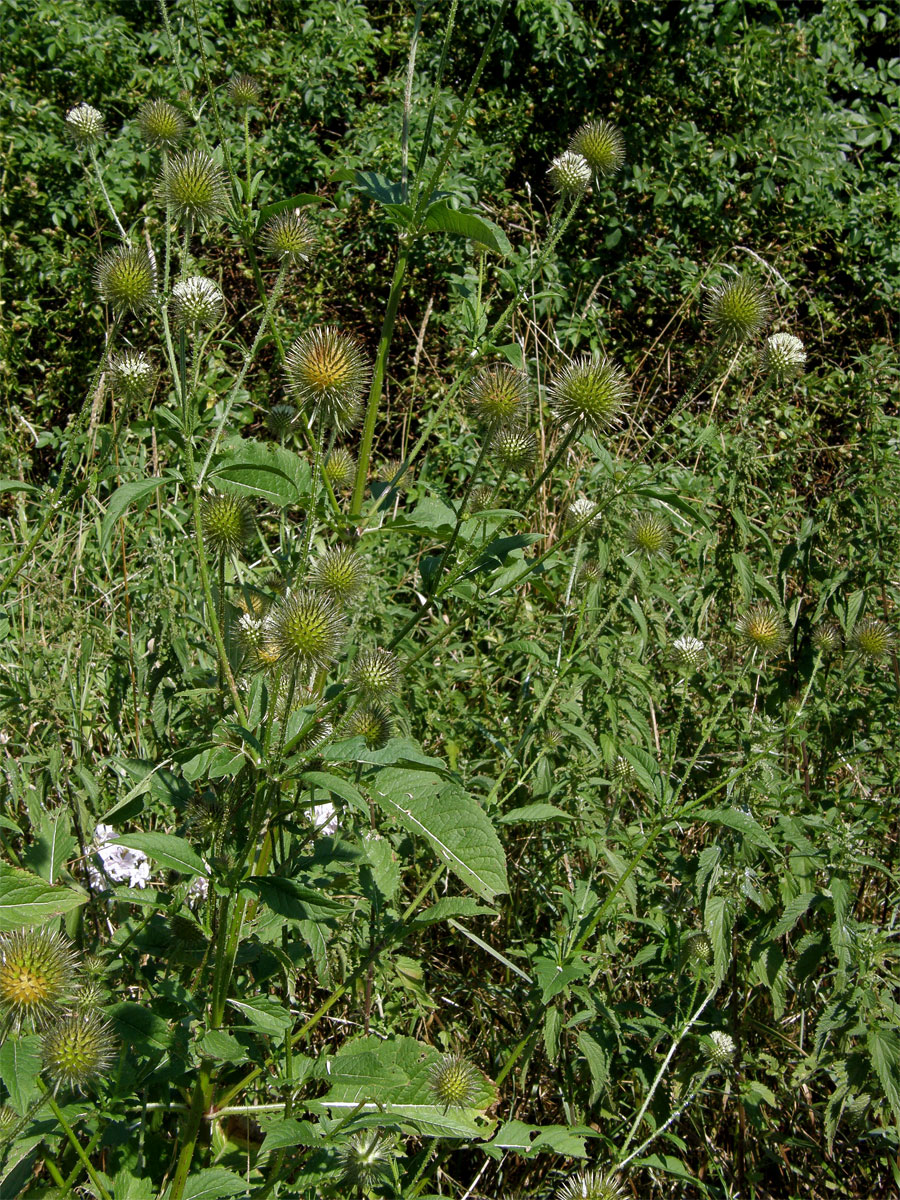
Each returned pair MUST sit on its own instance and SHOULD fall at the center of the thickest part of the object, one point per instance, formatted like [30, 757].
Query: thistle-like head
[328, 373]
[161, 124]
[782, 357]
[38, 975]
[602, 145]
[281, 419]
[516, 447]
[649, 534]
[720, 1049]
[373, 723]
[762, 628]
[197, 302]
[290, 237]
[499, 395]
[77, 1049]
[243, 91]
[85, 125]
[193, 185]
[133, 374]
[872, 638]
[570, 174]
[227, 522]
[738, 308]
[591, 1185]
[125, 279]
[376, 673]
[454, 1082]
[305, 630]
[588, 394]
[340, 573]
[340, 469]
[365, 1158]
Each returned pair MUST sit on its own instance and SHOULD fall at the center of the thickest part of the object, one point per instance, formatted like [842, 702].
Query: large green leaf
[884, 1050]
[20, 1065]
[212, 1183]
[165, 848]
[451, 821]
[121, 500]
[294, 900]
[252, 468]
[467, 223]
[530, 1140]
[27, 900]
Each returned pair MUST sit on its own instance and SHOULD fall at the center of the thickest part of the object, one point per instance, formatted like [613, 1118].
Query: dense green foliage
[596, 869]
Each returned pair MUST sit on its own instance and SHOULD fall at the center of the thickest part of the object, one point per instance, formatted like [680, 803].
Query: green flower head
[602, 145]
[305, 630]
[85, 125]
[161, 124]
[77, 1049]
[126, 280]
[589, 393]
[499, 395]
[738, 309]
[329, 374]
[193, 185]
[38, 975]
[570, 174]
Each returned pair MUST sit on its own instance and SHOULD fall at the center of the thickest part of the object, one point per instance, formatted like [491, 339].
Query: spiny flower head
[373, 723]
[125, 279]
[243, 90]
[516, 448]
[699, 948]
[340, 468]
[586, 513]
[688, 653]
[480, 498]
[826, 639]
[328, 373]
[763, 629]
[871, 638]
[318, 733]
[85, 124]
[133, 374]
[38, 974]
[161, 124]
[197, 301]
[738, 308]
[227, 522]
[376, 673]
[77, 1049]
[570, 174]
[499, 396]
[590, 572]
[623, 773]
[454, 1082]
[393, 473]
[280, 419]
[194, 185]
[782, 356]
[305, 630]
[722, 1048]
[649, 534]
[340, 573]
[365, 1157]
[590, 1185]
[289, 236]
[602, 144]
[588, 393]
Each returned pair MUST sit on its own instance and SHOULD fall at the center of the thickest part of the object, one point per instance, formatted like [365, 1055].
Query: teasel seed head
[499, 395]
[570, 174]
[376, 673]
[132, 374]
[77, 1049]
[197, 301]
[782, 357]
[289, 236]
[227, 522]
[649, 534]
[590, 572]
[126, 280]
[480, 498]
[738, 308]
[698, 948]
[161, 124]
[281, 419]
[194, 185]
[85, 125]
[365, 1158]
[826, 639]
[624, 774]
[721, 1049]
[516, 448]
[38, 975]
[762, 628]
[340, 469]
[91, 995]
[602, 145]
[688, 653]
[320, 732]
[389, 471]
[586, 513]
[591, 1185]
[871, 638]
[454, 1082]
[373, 723]
[305, 630]
[328, 373]
[588, 394]
[340, 572]
[243, 91]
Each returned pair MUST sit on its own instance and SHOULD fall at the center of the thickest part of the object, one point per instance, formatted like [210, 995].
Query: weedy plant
[545, 693]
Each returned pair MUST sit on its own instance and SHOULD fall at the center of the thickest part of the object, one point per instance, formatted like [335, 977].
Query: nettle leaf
[20, 1065]
[718, 919]
[167, 849]
[534, 812]
[25, 899]
[294, 900]
[793, 911]
[467, 223]
[252, 468]
[53, 845]
[884, 1051]
[452, 906]
[265, 1016]
[451, 821]
[431, 518]
[530, 1140]
[211, 1184]
[139, 1026]
[743, 822]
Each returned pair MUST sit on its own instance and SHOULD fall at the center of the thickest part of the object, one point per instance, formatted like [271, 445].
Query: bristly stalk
[92, 151]
[407, 100]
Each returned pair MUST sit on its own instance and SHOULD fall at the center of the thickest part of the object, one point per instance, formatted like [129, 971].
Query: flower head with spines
[373, 723]
[328, 373]
[738, 308]
[721, 1049]
[85, 125]
[782, 357]
[197, 301]
[376, 673]
[281, 419]
[588, 394]
[77, 1049]
[762, 628]
[244, 90]
[161, 124]
[602, 145]
[305, 630]
[133, 374]
[126, 280]
[289, 236]
[454, 1082]
[570, 174]
[872, 638]
[193, 185]
[38, 976]
[515, 447]
[340, 573]
[340, 468]
[590, 1185]
[499, 395]
[649, 534]
[688, 653]
[227, 522]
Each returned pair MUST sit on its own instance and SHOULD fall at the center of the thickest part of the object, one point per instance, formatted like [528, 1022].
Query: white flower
[118, 863]
[325, 817]
[198, 891]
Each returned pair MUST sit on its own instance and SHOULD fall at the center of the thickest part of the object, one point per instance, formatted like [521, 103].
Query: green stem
[73, 1140]
[407, 101]
[112, 212]
[200, 1102]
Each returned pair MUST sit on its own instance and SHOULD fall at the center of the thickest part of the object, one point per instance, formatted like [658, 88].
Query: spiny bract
[602, 145]
[589, 393]
[329, 374]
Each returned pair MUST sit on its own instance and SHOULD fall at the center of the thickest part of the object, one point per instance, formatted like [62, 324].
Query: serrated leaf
[452, 906]
[534, 812]
[290, 1132]
[793, 911]
[743, 822]
[25, 899]
[597, 1061]
[20, 1065]
[139, 1026]
[122, 499]
[167, 849]
[211, 1184]
[884, 1050]
[294, 900]
[251, 468]
[718, 919]
[265, 1016]
[529, 1140]
[216, 1043]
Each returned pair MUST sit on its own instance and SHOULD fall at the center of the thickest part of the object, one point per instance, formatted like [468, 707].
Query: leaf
[534, 812]
[294, 900]
[597, 1061]
[451, 821]
[793, 911]
[431, 518]
[718, 919]
[378, 187]
[301, 200]
[20, 1065]
[252, 468]
[122, 498]
[336, 787]
[452, 906]
[743, 822]
[265, 1016]
[54, 843]
[694, 515]
[211, 1184]
[26, 899]
[398, 751]
[167, 849]
[16, 485]
[884, 1051]
[215, 1043]
[530, 1140]
[290, 1132]
[139, 1026]
[467, 223]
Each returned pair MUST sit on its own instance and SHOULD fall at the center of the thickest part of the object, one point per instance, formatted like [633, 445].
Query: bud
[763, 629]
[499, 396]
[570, 174]
[125, 279]
[480, 498]
[365, 1158]
[688, 653]
[77, 1049]
[454, 1082]
[871, 638]
[698, 948]
[588, 394]
[722, 1049]
[289, 237]
[738, 308]
[826, 639]
[280, 419]
[85, 124]
[329, 374]
[586, 513]
[602, 145]
[194, 186]
[132, 374]
[516, 448]
[782, 357]
[340, 469]
[305, 630]
[161, 124]
[227, 523]
[243, 91]
[197, 301]
[624, 774]
[649, 534]
[590, 573]
[590, 1185]
[376, 673]
[373, 723]
[340, 573]
[38, 974]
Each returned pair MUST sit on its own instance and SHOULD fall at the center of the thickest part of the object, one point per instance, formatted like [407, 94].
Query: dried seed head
[570, 174]
[688, 653]
[194, 185]
[586, 513]
[328, 373]
[132, 374]
[305, 630]
[589, 393]
[376, 673]
[871, 638]
[826, 639]
[77, 1049]
[340, 469]
[227, 522]
[340, 573]
[590, 1185]
[763, 629]
[649, 534]
[738, 308]
[373, 723]
[602, 144]
[289, 236]
[243, 90]
[161, 124]
[721, 1049]
[85, 125]
[365, 1158]
[125, 279]
[782, 356]
[516, 448]
[499, 396]
[38, 974]
[197, 301]
[280, 419]
[454, 1082]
